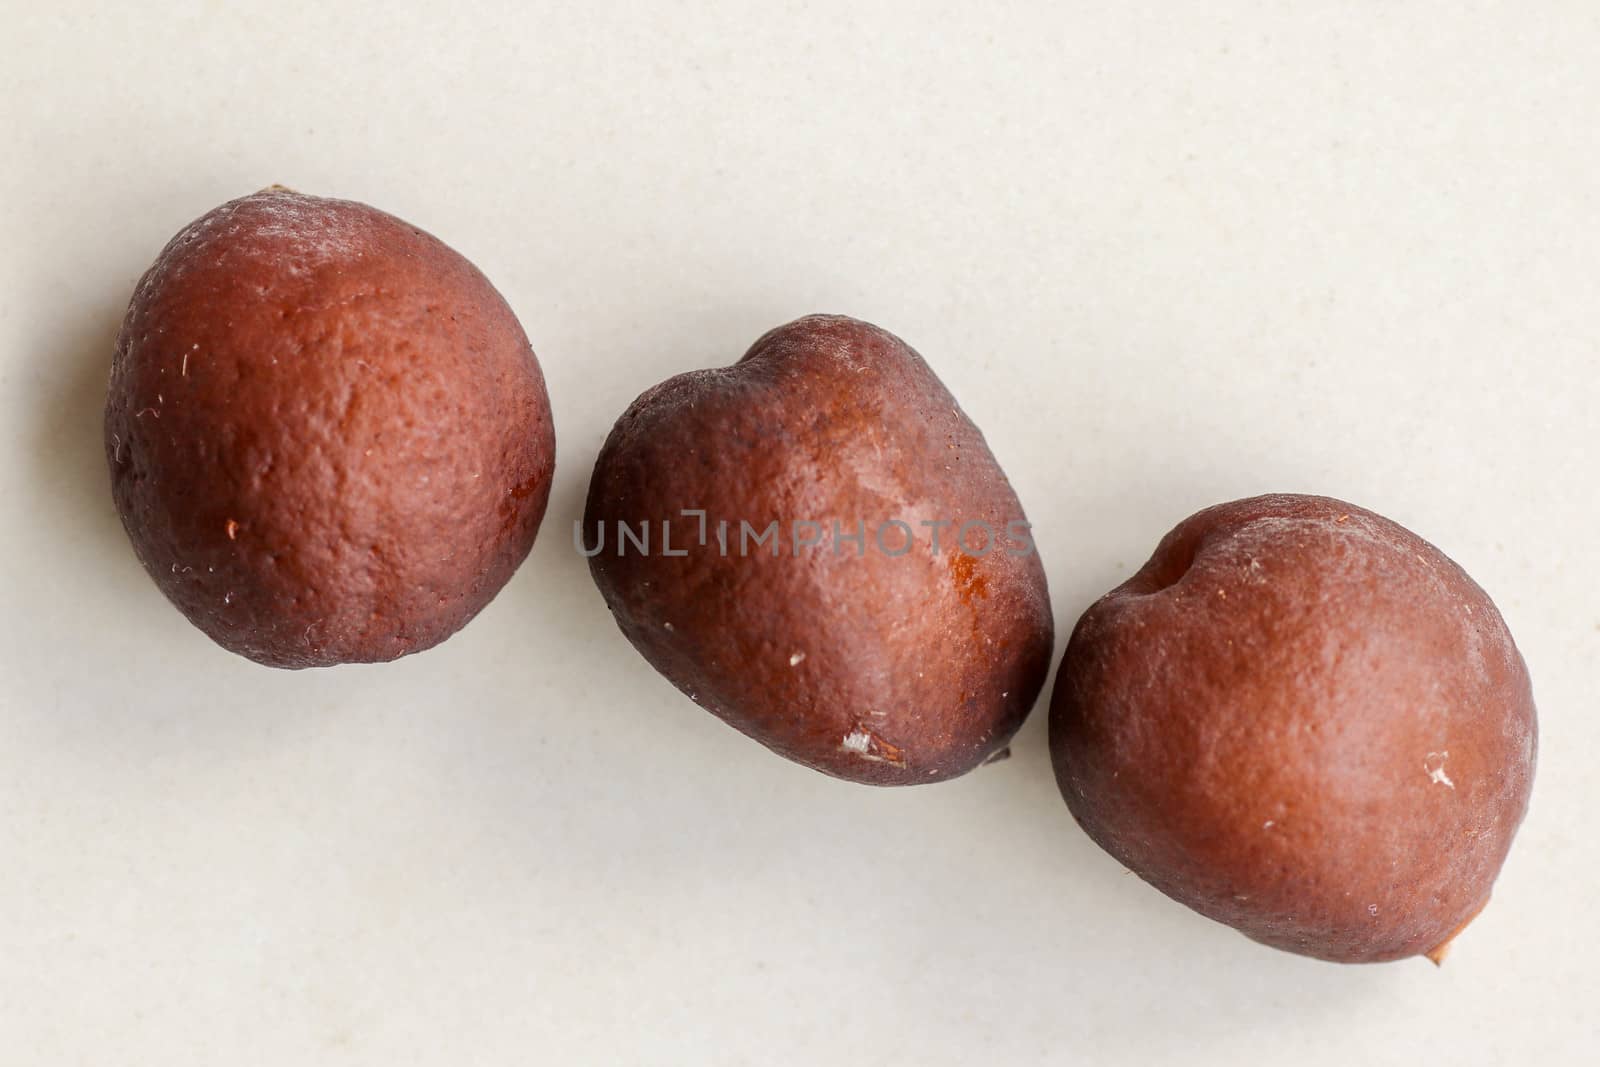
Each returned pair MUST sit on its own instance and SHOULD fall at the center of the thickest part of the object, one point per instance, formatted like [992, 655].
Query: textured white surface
[1164, 258]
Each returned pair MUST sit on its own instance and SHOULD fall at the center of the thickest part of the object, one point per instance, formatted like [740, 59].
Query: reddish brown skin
[886, 670]
[329, 438]
[1304, 721]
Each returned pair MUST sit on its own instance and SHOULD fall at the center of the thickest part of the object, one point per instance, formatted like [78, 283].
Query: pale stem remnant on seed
[870, 746]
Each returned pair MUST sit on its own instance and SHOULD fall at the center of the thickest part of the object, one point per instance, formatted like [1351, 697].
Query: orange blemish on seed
[969, 583]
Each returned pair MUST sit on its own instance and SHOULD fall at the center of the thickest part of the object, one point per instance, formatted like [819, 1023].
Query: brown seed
[1332, 759]
[352, 393]
[881, 661]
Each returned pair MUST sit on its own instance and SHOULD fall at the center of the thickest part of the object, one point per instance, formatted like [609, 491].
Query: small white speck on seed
[667, 626]
[1372, 909]
[1436, 774]
[1269, 824]
[796, 659]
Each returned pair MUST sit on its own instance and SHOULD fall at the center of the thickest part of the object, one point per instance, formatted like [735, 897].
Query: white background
[1163, 257]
